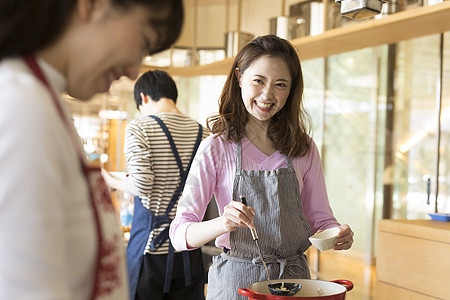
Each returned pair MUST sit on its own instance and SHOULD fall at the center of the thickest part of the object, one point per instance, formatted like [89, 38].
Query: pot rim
[255, 288]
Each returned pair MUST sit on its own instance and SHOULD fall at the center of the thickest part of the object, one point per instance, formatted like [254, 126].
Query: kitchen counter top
[427, 229]
[413, 260]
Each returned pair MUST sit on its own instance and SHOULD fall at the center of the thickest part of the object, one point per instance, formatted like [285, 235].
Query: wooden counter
[413, 260]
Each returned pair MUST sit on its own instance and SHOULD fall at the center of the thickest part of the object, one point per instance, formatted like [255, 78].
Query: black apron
[144, 221]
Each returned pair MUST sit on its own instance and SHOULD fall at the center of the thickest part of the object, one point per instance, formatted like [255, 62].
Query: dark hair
[27, 26]
[156, 84]
[289, 128]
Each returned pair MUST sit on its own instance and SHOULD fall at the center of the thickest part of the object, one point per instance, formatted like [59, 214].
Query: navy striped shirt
[152, 168]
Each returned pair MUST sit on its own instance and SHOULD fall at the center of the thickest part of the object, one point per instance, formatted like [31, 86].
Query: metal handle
[252, 230]
[254, 234]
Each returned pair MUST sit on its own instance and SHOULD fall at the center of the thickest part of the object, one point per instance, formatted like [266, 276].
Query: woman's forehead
[269, 65]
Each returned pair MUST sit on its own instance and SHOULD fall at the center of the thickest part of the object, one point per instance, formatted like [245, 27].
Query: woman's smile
[264, 106]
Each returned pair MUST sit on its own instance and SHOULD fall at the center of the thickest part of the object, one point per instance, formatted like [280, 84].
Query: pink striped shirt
[212, 172]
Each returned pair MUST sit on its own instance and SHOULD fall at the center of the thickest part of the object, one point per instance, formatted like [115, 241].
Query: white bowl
[325, 240]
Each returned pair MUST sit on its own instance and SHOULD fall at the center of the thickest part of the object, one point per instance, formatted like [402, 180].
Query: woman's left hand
[344, 238]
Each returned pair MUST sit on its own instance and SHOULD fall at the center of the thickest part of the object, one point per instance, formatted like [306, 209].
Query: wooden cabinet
[413, 260]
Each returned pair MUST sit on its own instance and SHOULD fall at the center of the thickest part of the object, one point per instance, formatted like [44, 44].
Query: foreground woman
[59, 234]
[260, 149]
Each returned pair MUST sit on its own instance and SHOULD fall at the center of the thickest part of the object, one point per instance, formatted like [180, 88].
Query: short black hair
[157, 84]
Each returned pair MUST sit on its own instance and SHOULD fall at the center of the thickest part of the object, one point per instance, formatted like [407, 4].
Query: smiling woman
[57, 221]
[259, 148]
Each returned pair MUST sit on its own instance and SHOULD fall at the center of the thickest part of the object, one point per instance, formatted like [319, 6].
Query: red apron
[110, 280]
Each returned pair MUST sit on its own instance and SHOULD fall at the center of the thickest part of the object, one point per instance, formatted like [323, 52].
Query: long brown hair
[289, 128]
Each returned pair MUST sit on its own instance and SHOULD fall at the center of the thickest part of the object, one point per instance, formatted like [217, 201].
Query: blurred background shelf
[408, 24]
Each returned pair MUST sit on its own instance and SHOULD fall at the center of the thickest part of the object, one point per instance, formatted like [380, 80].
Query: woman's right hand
[237, 214]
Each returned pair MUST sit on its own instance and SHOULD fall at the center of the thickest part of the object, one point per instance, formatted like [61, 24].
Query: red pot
[311, 289]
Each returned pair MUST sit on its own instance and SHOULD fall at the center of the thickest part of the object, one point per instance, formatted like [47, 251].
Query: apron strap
[171, 142]
[31, 62]
[183, 173]
[238, 158]
[169, 269]
[187, 267]
[159, 220]
[288, 162]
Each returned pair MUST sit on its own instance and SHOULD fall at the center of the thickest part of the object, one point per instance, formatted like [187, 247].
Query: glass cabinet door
[314, 96]
[444, 160]
[415, 123]
[345, 108]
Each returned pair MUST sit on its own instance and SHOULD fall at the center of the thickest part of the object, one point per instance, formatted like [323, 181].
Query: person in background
[159, 148]
[60, 237]
[260, 148]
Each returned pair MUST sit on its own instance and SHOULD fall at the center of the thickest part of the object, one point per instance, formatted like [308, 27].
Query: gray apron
[282, 229]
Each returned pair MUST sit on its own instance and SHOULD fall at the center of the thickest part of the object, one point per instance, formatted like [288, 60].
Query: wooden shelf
[409, 24]
[405, 25]
[216, 68]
